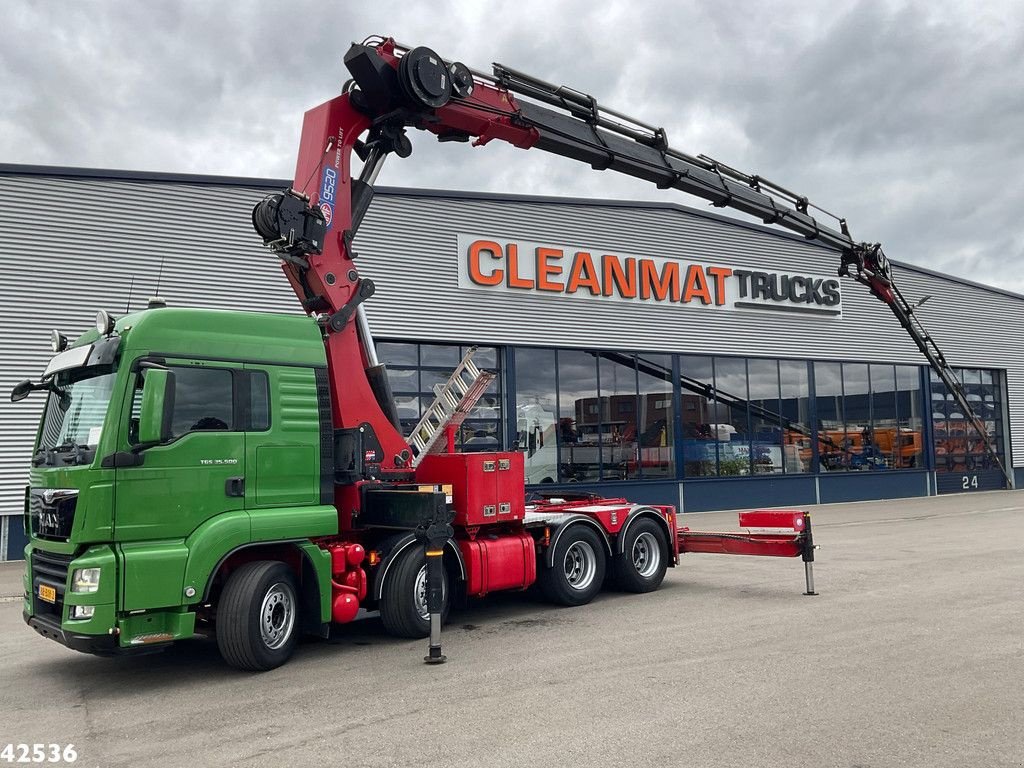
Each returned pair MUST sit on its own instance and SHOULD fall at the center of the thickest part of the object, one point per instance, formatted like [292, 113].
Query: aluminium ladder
[453, 402]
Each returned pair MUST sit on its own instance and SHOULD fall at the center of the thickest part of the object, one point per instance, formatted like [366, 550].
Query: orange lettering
[512, 259]
[624, 280]
[696, 285]
[583, 274]
[546, 269]
[719, 273]
[493, 250]
[661, 285]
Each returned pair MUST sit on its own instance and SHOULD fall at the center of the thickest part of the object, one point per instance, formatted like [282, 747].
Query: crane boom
[395, 87]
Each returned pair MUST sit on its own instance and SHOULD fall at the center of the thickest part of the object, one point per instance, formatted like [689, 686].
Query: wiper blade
[78, 452]
[43, 456]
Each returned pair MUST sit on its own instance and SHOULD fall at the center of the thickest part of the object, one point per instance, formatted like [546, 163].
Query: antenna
[159, 275]
[155, 302]
[128, 304]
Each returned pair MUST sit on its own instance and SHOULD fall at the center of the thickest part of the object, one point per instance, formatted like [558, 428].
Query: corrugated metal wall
[70, 244]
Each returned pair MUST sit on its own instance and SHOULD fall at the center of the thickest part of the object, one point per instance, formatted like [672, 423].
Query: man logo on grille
[49, 521]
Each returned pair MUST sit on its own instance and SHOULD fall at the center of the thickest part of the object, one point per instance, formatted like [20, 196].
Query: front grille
[51, 513]
[50, 569]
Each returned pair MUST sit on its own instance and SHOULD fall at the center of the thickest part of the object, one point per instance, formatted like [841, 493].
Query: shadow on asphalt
[197, 661]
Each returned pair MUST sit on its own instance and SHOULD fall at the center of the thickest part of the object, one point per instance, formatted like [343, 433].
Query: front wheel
[257, 617]
[641, 565]
[403, 600]
[577, 568]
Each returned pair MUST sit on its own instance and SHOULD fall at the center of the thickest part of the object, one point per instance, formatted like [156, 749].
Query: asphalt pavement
[912, 655]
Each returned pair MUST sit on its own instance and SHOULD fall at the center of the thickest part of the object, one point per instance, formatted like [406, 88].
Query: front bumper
[103, 645]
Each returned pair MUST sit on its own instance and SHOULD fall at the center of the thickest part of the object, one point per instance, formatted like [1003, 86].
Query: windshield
[75, 410]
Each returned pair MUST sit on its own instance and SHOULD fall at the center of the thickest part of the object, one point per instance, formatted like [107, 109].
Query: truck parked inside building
[246, 473]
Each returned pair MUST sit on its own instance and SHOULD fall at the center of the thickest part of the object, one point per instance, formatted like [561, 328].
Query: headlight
[58, 341]
[85, 580]
[104, 323]
[82, 611]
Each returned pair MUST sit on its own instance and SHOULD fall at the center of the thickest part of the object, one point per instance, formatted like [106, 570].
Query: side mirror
[22, 390]
[157, 404]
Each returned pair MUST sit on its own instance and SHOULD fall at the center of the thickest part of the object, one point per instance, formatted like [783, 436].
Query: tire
[403, 600]
[577, 569]
[641, 566]
[258, 622]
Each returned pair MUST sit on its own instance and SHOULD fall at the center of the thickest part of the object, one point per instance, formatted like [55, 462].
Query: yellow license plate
[49, 594]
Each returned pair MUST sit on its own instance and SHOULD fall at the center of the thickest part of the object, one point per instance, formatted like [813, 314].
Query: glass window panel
[397, 353]
[828, 389]
[655, 417]
[202, 400]
[259, 401]
[441, 356]
[485, 357]
[430, 379]
[700, 446]
[536, 413]
[408, 408]
[765, 416]
[731, 424]
[479, 436]
[404, 379]
[958, 446]
[908, 411]
[489, 405]
[795, 409]
[618, 414]
[579, 416]
[880, 447]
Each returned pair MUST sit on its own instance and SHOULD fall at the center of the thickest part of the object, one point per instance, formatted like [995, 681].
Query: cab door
[197, 474]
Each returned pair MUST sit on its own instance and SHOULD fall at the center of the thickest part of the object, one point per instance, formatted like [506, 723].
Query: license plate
[49, 594]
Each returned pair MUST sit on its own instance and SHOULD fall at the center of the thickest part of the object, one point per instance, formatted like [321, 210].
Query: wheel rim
[277, 616]
[420, 593]
[580, 565]
[646, 555]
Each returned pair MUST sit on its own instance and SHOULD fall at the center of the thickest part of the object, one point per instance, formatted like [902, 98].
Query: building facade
[645, 350]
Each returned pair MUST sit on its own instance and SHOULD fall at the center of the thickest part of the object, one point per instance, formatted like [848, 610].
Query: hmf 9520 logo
[328, 191]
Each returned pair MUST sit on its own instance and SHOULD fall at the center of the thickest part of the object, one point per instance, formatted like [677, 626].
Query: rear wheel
[258, 616]
[577, 567]
[403, 600]
[642, 564]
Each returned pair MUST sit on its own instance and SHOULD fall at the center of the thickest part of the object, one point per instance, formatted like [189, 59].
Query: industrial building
[646, 350]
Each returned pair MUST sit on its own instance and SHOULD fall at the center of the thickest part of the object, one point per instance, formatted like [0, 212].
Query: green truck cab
[175, 441]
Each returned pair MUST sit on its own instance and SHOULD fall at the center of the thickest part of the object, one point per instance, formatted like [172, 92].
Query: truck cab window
[202, 400]
[259, 402]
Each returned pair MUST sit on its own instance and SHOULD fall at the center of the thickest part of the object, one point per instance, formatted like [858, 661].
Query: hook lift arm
[311, 226]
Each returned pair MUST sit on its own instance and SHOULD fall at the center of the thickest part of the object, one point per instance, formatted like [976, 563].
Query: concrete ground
[912, 655]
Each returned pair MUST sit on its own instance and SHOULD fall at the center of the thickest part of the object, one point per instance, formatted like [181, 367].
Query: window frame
[241, 393]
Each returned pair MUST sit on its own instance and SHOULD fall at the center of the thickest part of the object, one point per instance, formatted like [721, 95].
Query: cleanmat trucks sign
[496, 264]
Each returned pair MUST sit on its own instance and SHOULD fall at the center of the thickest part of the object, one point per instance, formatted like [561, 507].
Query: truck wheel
[577, 568]
[258, 616]
[641, 566]
[403, 600]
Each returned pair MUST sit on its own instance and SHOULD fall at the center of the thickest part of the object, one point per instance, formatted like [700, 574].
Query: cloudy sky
[907, 118]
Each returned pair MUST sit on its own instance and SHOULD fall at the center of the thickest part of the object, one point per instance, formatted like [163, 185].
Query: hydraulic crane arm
[395, 87]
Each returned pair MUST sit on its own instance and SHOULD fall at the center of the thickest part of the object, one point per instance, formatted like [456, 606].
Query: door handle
[235, 486]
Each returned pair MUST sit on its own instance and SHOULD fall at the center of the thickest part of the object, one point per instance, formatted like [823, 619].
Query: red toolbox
[487, 488]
